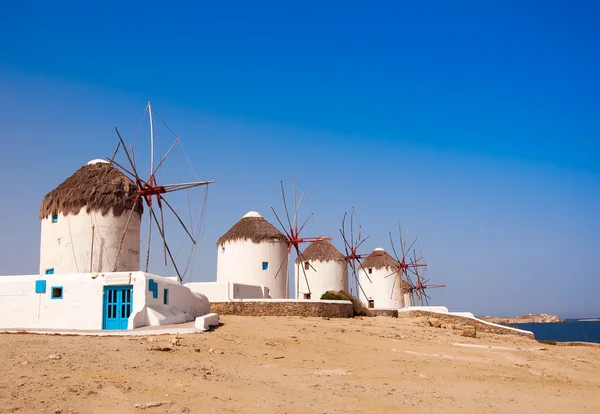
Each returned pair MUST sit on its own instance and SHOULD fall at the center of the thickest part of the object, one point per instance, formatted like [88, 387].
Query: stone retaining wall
[459, 321]
[328, 309]
[392, 313]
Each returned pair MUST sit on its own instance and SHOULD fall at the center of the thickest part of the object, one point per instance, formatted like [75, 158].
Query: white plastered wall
[385, 293]
[183, 305]
[82, 306]
[66, 246]
[407, 299]
[322, 277]
[240, 261]
[224, 292]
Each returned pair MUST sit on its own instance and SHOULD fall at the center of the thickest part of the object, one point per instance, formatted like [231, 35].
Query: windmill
[353, 240]
[153, 194]
[292, 230]
[411, 266]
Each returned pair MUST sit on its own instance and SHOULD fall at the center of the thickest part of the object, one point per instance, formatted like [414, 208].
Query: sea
[570, 331]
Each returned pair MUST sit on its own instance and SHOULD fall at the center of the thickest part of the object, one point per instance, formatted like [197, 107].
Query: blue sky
[475, 122]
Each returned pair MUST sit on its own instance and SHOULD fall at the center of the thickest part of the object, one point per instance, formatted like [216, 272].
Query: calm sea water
[572, 330]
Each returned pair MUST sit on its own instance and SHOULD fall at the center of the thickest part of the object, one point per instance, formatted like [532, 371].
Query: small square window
[370, 270]
[166, 297]
[56, 292]
[265, 265]
[223, 249]
[307, 296]
[54, 218]
[50, 271]
[40, 286]
[306, 265]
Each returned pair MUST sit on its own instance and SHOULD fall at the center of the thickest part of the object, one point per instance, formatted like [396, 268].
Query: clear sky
[476, 122]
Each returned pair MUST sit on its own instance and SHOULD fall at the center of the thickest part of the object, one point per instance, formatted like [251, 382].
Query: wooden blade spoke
[393, 247]
[287, 214]
[401, 241]
[352, 228]
[362, 241]
[393, 273]
[132, 175]
[299, 203]
[365, 270]
[169, 188]
[345, 242]
[360, 286]
[115, 153]
[295, 220]
[304, 270]
[279, 269]
[149, 239]
[166, 245]
[165, 156]
[123, 238]
[343, 229]
[281, 224]
[301, 227]
[406, 239]
[301, 255]
[180, 220]
[131, 162]
[162, 223]
[412, 244]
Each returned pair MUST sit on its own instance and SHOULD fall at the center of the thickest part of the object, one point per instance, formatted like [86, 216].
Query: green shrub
[359, 308]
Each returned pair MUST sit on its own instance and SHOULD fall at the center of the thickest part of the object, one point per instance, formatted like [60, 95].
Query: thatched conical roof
[321, 251]
[252, 227]
[379, 259]
[98, 186]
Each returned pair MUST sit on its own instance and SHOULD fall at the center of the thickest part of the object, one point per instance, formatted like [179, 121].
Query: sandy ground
[298, 365]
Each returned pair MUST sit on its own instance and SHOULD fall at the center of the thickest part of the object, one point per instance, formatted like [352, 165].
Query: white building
[325, 268]
[89, 264]
[94, 301]
[380, 278]
[253, 252]
[90, 223]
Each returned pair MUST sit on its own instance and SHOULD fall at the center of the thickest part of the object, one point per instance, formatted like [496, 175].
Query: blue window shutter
[55, 218]
[265, 265]
[150, 285]
[50, 271]
[40, 286]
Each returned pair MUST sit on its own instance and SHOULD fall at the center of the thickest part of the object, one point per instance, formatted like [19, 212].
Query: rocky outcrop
[459, 321]
[539, 318]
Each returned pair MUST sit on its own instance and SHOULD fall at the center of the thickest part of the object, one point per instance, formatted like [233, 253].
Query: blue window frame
[40, 286]
[54, 218]
[50, 271]
[265, 265]
[166, 297]
[56, 292]
[153, 287]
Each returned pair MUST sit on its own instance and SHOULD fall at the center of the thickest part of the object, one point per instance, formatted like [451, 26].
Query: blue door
[117, 307]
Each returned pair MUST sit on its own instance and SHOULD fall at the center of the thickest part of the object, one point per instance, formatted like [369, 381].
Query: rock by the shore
[538, 318]
[469, 331]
